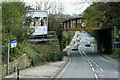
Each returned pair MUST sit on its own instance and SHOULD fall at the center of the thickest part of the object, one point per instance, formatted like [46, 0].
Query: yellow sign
[103, 49]
[87, 28]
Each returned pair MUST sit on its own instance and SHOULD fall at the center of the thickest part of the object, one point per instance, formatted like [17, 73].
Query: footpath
[110, 59]
[48, 70]
[107, 57]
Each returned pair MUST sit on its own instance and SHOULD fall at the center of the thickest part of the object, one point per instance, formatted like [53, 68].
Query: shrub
[116, 53]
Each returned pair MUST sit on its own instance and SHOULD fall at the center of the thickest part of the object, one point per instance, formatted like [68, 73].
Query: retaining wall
[22, 62]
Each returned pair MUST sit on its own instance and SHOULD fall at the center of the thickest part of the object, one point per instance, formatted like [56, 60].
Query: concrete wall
[22, 61]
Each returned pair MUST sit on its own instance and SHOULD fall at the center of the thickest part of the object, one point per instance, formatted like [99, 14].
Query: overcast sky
[69, 7]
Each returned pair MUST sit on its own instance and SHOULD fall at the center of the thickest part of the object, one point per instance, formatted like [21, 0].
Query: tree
[105, 13]
[13, 14]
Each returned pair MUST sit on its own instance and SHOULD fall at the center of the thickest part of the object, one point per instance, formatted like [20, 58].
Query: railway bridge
[102, 35]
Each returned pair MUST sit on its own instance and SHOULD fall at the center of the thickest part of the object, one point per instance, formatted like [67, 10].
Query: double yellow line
[64, 68]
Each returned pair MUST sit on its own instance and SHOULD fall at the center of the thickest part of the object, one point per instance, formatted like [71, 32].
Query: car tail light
[77, 45]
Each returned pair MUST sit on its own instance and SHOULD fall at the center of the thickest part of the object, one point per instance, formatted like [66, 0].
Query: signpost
[117, 44]
[13, 44]
[83, 24]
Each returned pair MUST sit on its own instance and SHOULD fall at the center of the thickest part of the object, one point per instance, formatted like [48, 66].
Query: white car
[78, 39]
[87, 44]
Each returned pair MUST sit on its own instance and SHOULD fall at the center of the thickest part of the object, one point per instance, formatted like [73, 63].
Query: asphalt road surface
[86, 63]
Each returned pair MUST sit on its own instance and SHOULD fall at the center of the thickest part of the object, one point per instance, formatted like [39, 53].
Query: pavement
[48, 70]
[110, 59]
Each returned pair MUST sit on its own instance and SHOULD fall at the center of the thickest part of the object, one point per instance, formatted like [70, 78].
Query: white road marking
[93, 69]
[101, 69]
[93, 62]
[90, 64]
[89, 61]
[97, 65]
[96, 76]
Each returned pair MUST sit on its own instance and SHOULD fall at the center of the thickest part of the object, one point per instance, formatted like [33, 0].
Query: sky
[69, 7]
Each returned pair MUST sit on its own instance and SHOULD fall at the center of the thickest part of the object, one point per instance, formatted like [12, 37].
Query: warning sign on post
[13, 43]
[83, 24]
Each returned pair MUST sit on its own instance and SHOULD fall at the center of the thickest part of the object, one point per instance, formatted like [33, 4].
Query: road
[86, 63]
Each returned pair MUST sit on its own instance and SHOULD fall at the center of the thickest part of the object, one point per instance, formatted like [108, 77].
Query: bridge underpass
[104, 41]
[84, 62]
[103, 36]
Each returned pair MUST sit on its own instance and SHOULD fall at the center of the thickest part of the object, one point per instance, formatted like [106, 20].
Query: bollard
[18, 73]
[53, 56]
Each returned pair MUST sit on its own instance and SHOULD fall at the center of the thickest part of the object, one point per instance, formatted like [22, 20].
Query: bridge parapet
[74, 23]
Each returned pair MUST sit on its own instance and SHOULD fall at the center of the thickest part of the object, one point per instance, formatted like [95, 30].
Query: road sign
[103, 49]
[13, 43]
[83, 24]
[115, 42]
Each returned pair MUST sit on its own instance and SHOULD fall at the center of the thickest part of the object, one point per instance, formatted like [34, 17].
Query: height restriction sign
[83, 24]
[13, 43]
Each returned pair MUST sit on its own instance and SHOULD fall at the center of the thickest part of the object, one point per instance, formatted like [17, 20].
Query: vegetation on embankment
[67, 37]
[13, 28]
[116, 53]
[38, 53]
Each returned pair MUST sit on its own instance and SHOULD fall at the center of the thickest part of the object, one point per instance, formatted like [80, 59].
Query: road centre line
[96, 76]
[97, 65]
[86, 60]
[93, 69]
[91, 65]
[89, 62]
[93, 62]
[101, 69]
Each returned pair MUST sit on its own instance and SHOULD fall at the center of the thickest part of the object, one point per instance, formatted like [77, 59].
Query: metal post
[13, 51]
[63, 26]
[66, 24]
[43, 36]
[69, 24]
[53, 56]
[18, 73]
[8, 55]
[76, 23]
